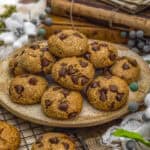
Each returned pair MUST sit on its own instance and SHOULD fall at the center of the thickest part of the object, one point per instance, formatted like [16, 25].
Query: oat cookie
[108, 93]
[54, 141]
[61, 103]
[73, 72]
[68, 43]
[126, 68]
[27, 89]
[101, 54]
[9, 137]
[37, 58]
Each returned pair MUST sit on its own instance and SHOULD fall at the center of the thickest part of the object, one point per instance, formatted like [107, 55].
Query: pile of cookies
[78, 67]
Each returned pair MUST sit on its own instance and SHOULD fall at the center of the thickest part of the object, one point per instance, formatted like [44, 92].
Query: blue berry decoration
[132, 34]
[48, 21]
[41, 32]
[133, 86]
[139, 34]
[131, 145]
[133, 106]
[42, 16]
[48, 10]
[146, 48]
[140, 44]
[123, 34]
[131, 43]
[144, 117]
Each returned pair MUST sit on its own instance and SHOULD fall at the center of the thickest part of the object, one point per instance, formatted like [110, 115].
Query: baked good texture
[61, 103]
[126, 68]
[9, 137]
[27, 89]
[54, 141]
[68, 43]
[101, 54]
[108, 93]
[73, 72]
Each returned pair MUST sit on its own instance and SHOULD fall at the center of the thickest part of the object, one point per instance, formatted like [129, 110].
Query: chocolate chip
[87, 56]
[125, 66]
[34, 46]
[103, 94]
[72, 115]
[112, 56]
[63, 72]
[112, 105]
[78, 35]
[39, 140]
[63, 36]
[119, 96]
[133, 62]
[54, 140]
[40, 145]
[65, 92]
[19, 89]
[84, 80]
[66, 145]
[95, 47]
[103, 45]
[33, 81]
[63, 106]
[44, 49]
[108, 76]
[83, 64]
[47, 103]
[95, 84]
[45, 62]
[74, 79]
[57, 88]
[71, 70]
[113, 88]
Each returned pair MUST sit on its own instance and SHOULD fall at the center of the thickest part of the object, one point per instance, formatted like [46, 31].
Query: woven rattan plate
[89, 116]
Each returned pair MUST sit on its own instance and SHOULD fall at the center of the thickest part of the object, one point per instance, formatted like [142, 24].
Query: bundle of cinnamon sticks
[101, 13]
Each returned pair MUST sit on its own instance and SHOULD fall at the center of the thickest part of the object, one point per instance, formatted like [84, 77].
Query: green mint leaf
[132, 135]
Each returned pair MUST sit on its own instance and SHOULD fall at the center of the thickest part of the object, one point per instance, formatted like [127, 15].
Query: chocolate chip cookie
[27, 89]
[108, 93]
[54, 141]
[73, 72]
[68, 43]
[61, 103]
[101, 54]
[36, 58]
[126, 68]
[9, 137]
[14, 65]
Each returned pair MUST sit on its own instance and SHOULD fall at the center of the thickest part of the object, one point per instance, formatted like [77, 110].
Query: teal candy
[41, 32]
[133, 86]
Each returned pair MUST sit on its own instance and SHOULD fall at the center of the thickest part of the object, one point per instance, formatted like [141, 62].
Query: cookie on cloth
[73, 72]
[126, 68]
[61, 103]
[9, 137]
[37, 58]
[68, 43]
[54, 141]
[108, 93]
[101, 54]
[27, 89]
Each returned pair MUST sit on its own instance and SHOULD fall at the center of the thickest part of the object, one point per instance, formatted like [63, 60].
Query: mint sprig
[132, 135]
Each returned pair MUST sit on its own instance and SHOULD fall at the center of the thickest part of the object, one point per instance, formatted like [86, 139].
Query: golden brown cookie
[36, 58]
[54, 141]
[27, 89]
[126, 68]
[101, 54]
[108, 93]
[9, 137]
[14, 65]
[60, 103]
[73, 72]
[68, 43]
